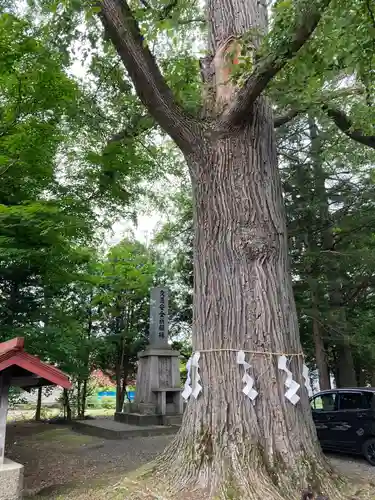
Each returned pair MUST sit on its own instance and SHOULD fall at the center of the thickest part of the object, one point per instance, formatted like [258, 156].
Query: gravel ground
[54, 456]
[354, 467]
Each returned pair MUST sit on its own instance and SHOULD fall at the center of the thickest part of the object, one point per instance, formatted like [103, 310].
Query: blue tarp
[112, 394]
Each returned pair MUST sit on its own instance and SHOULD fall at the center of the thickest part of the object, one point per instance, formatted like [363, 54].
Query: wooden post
[4, 388]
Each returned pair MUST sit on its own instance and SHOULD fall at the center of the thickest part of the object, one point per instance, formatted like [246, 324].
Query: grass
[109, 486]
[27, 415]
[63, 437]
[130, 488]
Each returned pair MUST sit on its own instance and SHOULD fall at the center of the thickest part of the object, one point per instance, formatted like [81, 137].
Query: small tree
[123, 301]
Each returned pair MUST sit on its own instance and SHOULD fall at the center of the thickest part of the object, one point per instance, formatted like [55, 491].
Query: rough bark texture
[244, 300]
[326, 241]
[38, 409]
[66, 405]
[346, 375]
[320, 352]
[227, 447]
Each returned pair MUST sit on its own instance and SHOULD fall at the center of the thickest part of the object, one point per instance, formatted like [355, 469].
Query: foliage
[16, 397]
[55, 290]
[108, 403]
[122, 300]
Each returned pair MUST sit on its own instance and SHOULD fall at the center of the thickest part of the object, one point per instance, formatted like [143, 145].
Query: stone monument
[158, 387]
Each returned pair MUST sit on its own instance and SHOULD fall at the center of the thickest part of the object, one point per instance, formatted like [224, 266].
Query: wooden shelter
[18, 368]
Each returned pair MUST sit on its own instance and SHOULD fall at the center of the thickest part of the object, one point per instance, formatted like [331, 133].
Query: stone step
[172, 420]
[110, 429]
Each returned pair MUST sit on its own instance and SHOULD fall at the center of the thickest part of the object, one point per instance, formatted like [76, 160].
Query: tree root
[250, 483]
[156, 487]
[208, 474]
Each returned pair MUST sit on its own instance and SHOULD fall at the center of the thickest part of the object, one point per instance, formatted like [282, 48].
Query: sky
[143, 231]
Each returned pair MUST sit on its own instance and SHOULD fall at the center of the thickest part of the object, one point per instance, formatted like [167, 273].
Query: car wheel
[369, 451]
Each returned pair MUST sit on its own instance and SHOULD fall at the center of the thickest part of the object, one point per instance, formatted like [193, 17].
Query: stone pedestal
[158, 389]
[11, 480]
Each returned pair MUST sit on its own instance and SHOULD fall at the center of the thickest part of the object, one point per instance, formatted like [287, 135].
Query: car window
[355, 401]
[324, 402]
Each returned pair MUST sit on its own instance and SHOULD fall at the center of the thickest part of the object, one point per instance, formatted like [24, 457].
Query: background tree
[123, 302]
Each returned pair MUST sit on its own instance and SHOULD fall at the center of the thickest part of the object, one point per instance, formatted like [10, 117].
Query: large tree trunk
[228, 447]
[346, 374]
[325, 235]
[243, 300]
[320, 352]
[345, 369]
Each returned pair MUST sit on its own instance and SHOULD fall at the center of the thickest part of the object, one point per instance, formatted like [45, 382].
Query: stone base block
[142, 408]
[11, 480]
[138, 419]
[109, 429]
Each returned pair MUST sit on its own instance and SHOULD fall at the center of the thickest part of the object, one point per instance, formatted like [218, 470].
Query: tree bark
[320, 352]
[120, 389]
[79, 412]
[361, 374]
[84, 398]
[345, 369]
[243, 299]
[320, 195]
[346, 375]
[38, 409]
[228, 447]
[67, 408]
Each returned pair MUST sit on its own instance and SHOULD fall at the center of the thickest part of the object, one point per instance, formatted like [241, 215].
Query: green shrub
[93, 402]
[45, 413]
[108, 403]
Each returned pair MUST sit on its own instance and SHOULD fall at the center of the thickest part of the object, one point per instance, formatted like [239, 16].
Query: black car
[345, 420]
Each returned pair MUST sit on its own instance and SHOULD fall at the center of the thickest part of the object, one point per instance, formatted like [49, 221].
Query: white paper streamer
[197, 387]
[290, 384]
[246, 379]
[305, 373]
[291, 393]
[187, 388]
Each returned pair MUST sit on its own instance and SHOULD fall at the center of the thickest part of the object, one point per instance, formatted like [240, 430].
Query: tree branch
[283, 119]
[345, 124]
[306, 20]
[123, 30]
[139, 125]
[167, 11]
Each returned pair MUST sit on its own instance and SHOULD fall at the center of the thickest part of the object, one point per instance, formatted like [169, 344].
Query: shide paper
[246, 379]
[305, 373]
[195, 388]
[290, 384]
[187, 387]
[195, 363]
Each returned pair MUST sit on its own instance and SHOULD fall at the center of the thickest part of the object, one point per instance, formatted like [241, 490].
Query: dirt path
[353, 467]
[54, 456]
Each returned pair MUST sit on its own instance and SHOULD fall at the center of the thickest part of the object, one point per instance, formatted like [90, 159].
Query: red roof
[12, 354]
